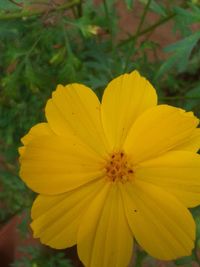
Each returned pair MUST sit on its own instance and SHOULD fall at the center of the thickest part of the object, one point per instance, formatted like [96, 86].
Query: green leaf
[188, 42]
[154, 6]
[158, 8]
[185, 17]
[184, 260]
[181, 51]
[189, 16]
[165, 67]
[57, 58]
[8, 5]
[195, 94]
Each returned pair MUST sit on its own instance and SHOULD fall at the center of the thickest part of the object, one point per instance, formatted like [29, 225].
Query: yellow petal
[193, 143]
[56, 218]
[21, 150]
[178, 172]
[104, 237]
[39, 129]
[125, 98]
[158, 130]
[75, 109]
[159, 222]
[55, 164]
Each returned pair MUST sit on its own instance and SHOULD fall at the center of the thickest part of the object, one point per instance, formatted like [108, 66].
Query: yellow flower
[111, 172]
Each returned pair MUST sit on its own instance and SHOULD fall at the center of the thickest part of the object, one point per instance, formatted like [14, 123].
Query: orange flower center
[118, 168]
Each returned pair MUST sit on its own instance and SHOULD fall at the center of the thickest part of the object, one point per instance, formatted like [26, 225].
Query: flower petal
[75, 109]
[39, 129]
[178, 172]
[193, 143]
[158, 130]
[159, 222]
[56, 218]
[55, 164]
[124, 99]
[104, 237]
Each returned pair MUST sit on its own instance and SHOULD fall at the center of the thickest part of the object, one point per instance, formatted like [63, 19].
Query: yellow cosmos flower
[113, 172]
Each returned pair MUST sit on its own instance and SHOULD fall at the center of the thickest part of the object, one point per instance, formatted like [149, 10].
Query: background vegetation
[44, 43]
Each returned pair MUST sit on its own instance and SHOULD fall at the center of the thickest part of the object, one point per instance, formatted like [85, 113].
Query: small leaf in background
[129, 4]
[36, 256]
[158, 8]
[191, 15]
[197, 220]
[57, 58]
[8, 5]
[181, 52]
[194, 96]
[184, 260]
[155, 7]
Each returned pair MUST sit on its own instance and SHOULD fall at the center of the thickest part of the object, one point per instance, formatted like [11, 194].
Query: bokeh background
[47, 42]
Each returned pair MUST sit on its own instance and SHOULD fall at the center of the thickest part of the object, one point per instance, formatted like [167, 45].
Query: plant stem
[143, 18]
[109, 20]
[155, 25]
[158, 23]
[66, 39]
[148, 29]
[15, 3]
[134, 40]
[106, 11]
[80, 9]
[26, 14]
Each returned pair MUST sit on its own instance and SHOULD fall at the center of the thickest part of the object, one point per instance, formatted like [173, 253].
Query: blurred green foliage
[41, 258]
[50, 42]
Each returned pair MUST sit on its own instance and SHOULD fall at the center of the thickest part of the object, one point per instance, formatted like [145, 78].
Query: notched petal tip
[74, 109]
[39, 129]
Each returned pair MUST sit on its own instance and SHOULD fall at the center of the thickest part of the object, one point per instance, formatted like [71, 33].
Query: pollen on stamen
[118, 168]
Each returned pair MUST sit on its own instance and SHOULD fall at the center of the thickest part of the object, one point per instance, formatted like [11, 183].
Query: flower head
[113, 172]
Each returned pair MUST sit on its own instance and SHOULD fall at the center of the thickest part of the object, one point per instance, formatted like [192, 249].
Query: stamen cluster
[118, 168]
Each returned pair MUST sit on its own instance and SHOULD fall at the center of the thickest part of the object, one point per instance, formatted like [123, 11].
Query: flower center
[118, 168]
